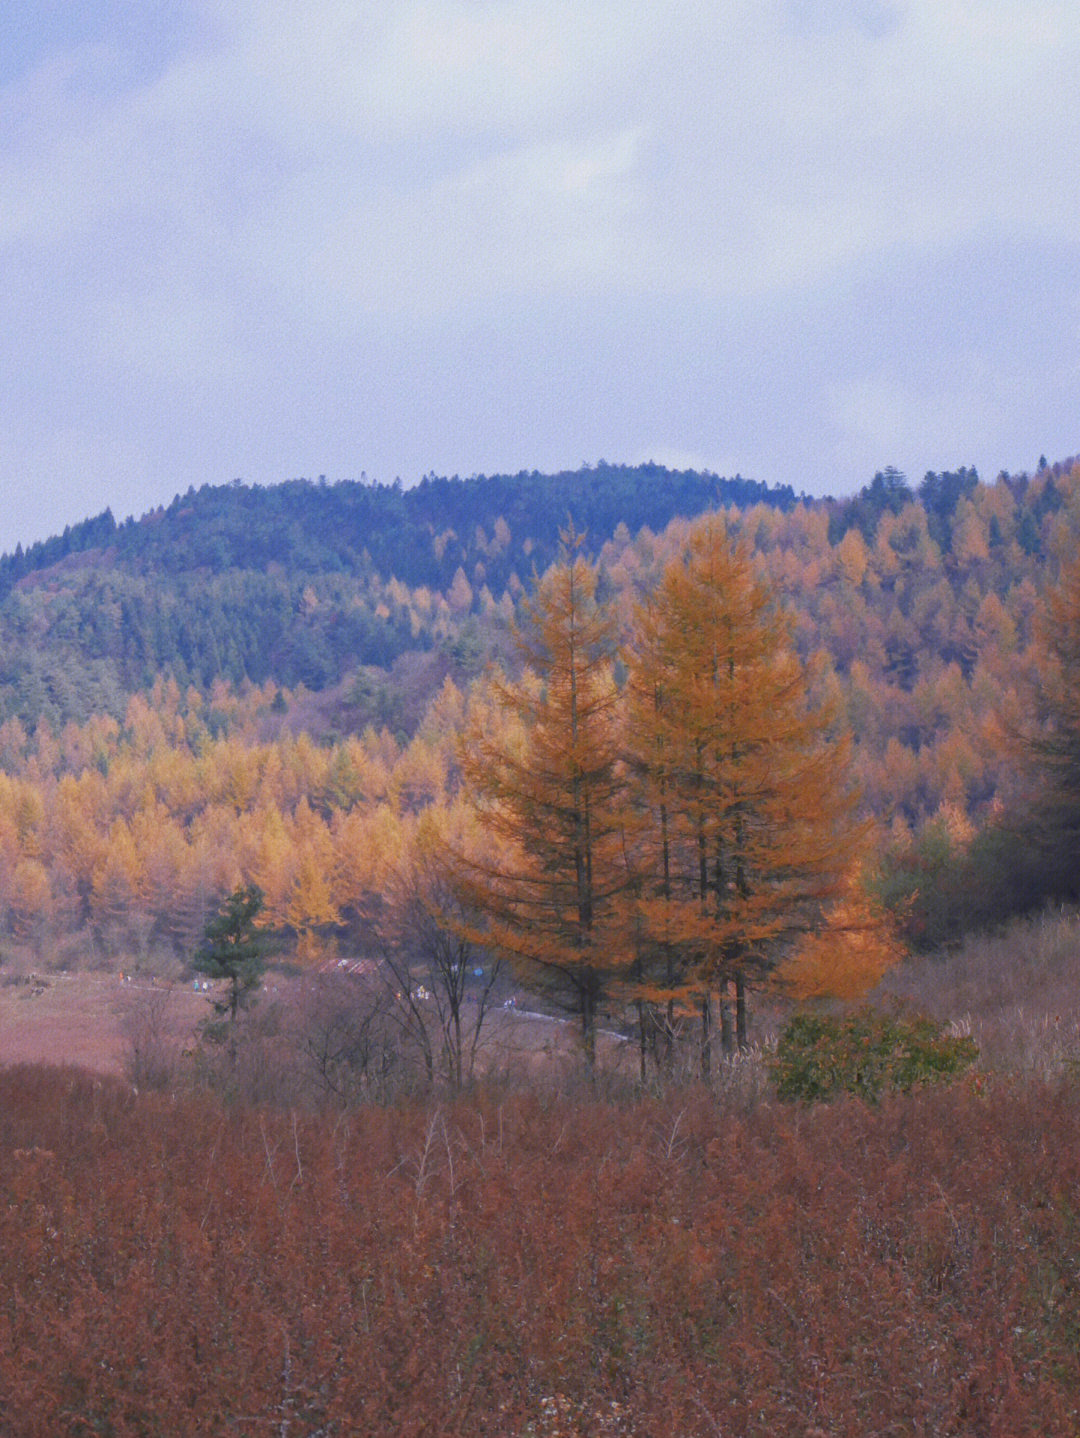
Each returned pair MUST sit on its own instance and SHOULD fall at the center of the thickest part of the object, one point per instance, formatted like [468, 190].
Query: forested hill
[305, 583]
[372, 595]
[421, 536]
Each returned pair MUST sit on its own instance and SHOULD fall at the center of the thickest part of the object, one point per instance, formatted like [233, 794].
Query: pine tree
[232, 950]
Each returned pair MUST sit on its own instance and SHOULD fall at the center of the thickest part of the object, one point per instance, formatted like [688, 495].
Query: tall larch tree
[544, 774]
[742, 818]
[1052, 739]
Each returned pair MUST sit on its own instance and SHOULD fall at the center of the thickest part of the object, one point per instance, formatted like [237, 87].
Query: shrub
[521, 1264]
[865, 1053]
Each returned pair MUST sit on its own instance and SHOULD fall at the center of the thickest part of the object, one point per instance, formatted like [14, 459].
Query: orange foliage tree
[444, 986]
[1053, 740]
[848, 955]
[548, 787]
[742, 817]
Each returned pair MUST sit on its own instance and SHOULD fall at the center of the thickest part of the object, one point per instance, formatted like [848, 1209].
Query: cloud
[458, 68]
[234, 215]
[876, 417]
[525, 221]
[762, 155]
[676, 459]
[941, 420]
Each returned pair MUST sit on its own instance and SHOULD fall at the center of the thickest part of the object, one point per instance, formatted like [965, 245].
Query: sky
[800, 240]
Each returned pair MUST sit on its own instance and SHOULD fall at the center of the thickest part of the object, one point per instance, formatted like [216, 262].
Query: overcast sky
[798, 239]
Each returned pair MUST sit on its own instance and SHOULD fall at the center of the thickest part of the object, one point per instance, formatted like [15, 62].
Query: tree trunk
[727, 1034]
[706, 1037]
[588, 1024]
[740, 1011]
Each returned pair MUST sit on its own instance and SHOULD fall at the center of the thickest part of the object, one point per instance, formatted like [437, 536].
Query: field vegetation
[249, 1241]
[536, 1263]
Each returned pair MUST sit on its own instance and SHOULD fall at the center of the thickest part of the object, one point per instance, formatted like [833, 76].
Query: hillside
[302, 582]
[312, 584]
[171, 721]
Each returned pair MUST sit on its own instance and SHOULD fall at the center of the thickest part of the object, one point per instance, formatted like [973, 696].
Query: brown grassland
[81, 1018]
[537, 1259]
[538, 1265]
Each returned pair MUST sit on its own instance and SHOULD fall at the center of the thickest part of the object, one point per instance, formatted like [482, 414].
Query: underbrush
[329, 1039]
[532, 1264]
[1014, 992]
[865, 1053]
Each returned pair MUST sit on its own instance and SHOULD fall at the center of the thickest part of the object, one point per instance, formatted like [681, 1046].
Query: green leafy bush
[865, 1053]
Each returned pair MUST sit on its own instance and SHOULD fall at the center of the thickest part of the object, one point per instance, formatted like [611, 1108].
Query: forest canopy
[165, 737]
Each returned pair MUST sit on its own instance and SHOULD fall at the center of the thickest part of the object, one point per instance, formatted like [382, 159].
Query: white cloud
[289, 183]
[922, 424]
[772, 156]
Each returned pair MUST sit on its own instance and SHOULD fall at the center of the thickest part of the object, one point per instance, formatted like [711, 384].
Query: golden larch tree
[742, 817]
[1050, 741]
[546, 780]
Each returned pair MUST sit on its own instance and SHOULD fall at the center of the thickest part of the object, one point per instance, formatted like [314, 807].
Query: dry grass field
[82, 1018]
[1017, 993]
[543, 1260]
[523, 1264]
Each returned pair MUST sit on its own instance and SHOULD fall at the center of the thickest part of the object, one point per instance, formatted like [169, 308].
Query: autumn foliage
[547, 782]
[118, 837]
[660, 842]
[917, 613]
[1050, 744]
[526, 1265]
[741, 825]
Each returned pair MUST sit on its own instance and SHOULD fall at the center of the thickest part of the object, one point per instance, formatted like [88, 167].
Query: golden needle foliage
[742, 813]
[548, 785]
[667, 841]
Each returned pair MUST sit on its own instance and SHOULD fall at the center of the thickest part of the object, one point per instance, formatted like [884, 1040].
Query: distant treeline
[420, 536]
[304, 582]
[941, 496]
[383, 590]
